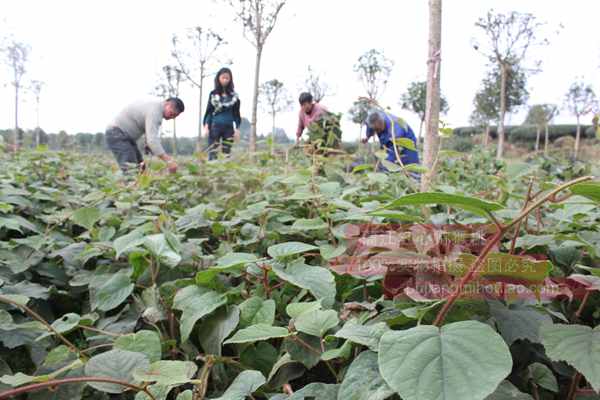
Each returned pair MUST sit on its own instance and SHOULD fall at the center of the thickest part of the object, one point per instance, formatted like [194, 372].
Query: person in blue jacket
[387, 126]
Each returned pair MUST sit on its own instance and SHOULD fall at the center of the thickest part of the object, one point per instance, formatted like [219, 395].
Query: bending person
[222, 117]
[141, 118]
[310, 112]
[387, 126]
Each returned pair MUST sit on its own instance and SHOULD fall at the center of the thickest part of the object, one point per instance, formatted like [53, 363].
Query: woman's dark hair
[305, 97]
[218, 88]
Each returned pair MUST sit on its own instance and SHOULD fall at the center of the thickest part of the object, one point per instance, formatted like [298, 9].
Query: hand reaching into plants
[205, 130]
[365, 140]
[237, 136]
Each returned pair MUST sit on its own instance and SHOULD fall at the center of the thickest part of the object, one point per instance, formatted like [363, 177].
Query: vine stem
[92, 329]
[574, 385]
[518, 227]
[8, 394]
[550, 196]
[38, 318]
[582, 305]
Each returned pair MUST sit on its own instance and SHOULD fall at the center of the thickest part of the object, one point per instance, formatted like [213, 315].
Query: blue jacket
[385, 139]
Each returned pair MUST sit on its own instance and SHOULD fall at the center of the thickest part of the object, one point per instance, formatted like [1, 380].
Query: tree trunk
[546, 140]
[432, 107]
[577, 138]
[537, 138]
[273, 137]
[201, 117]
[255, 99]
[17, 138]
[503, 73]
[420, 131]
[486, 138]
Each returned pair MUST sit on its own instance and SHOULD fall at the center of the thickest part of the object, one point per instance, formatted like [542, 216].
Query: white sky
[96, 56]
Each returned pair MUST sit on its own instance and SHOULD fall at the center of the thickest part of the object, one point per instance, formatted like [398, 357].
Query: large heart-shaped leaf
[578, 345]
[217, 328]
[304, 224]
[318, 280]
[64, 324]
[472, 204]
[166, 372]
[145, 342]
[86, 217]
[463, 360]
[160, 247]
[257, 332]
[112, 293]
[287, 249]
[243, 385]
[255, 310]
[116, 364]
[234, 260]
[367, 335]
[363, 380]
[316, 322]
[195, 302]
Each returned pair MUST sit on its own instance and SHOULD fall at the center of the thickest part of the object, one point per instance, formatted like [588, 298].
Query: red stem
[39, 386]
[439, 320]
[582, 305]
[574, 385]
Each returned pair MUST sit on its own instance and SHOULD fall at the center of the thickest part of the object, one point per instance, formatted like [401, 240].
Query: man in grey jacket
[143, 117]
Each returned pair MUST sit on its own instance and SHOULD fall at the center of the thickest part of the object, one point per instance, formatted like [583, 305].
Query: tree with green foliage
[414, 99]
[487, 100]
[580, 100]
[541, 115]
[275, 99]
[508, 39]
[258, 18]
[374, 69]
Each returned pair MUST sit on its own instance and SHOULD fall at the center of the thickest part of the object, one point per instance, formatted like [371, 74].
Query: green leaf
[518, 321]
[255, 310]
[256, 333]
[162, 250]
[591, 190]
[86, 217]
[185, 395]
[303, 224]
[166, 372]
[472, 204]
[321, 391]
[578, 345]
[507, 390]
[195, 304]
[367, 335]
[463, 360]
[260, 356]
[328, 251]
[145, 342]
[234, 261]
[363, 380]
[160, 392]
[395, 215]
[129, 241]
[342, 352]
[243, 385]
[316, 322]
[543, 377]
[112, 293]
[117, 364]
[318, 280]
[287, 249]
[295, 309]
[217, 328]
[405, 143]
[64, 324]
[518, 269]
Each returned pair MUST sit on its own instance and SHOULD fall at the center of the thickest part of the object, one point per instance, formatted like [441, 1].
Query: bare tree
[16, 58]
[432, 106]
[275, 99]
[258, 18]
[580, 100]
[196, 53]
[315, 85]
[168, 86]
[509, 37]
[374, 69]
[36, 88]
